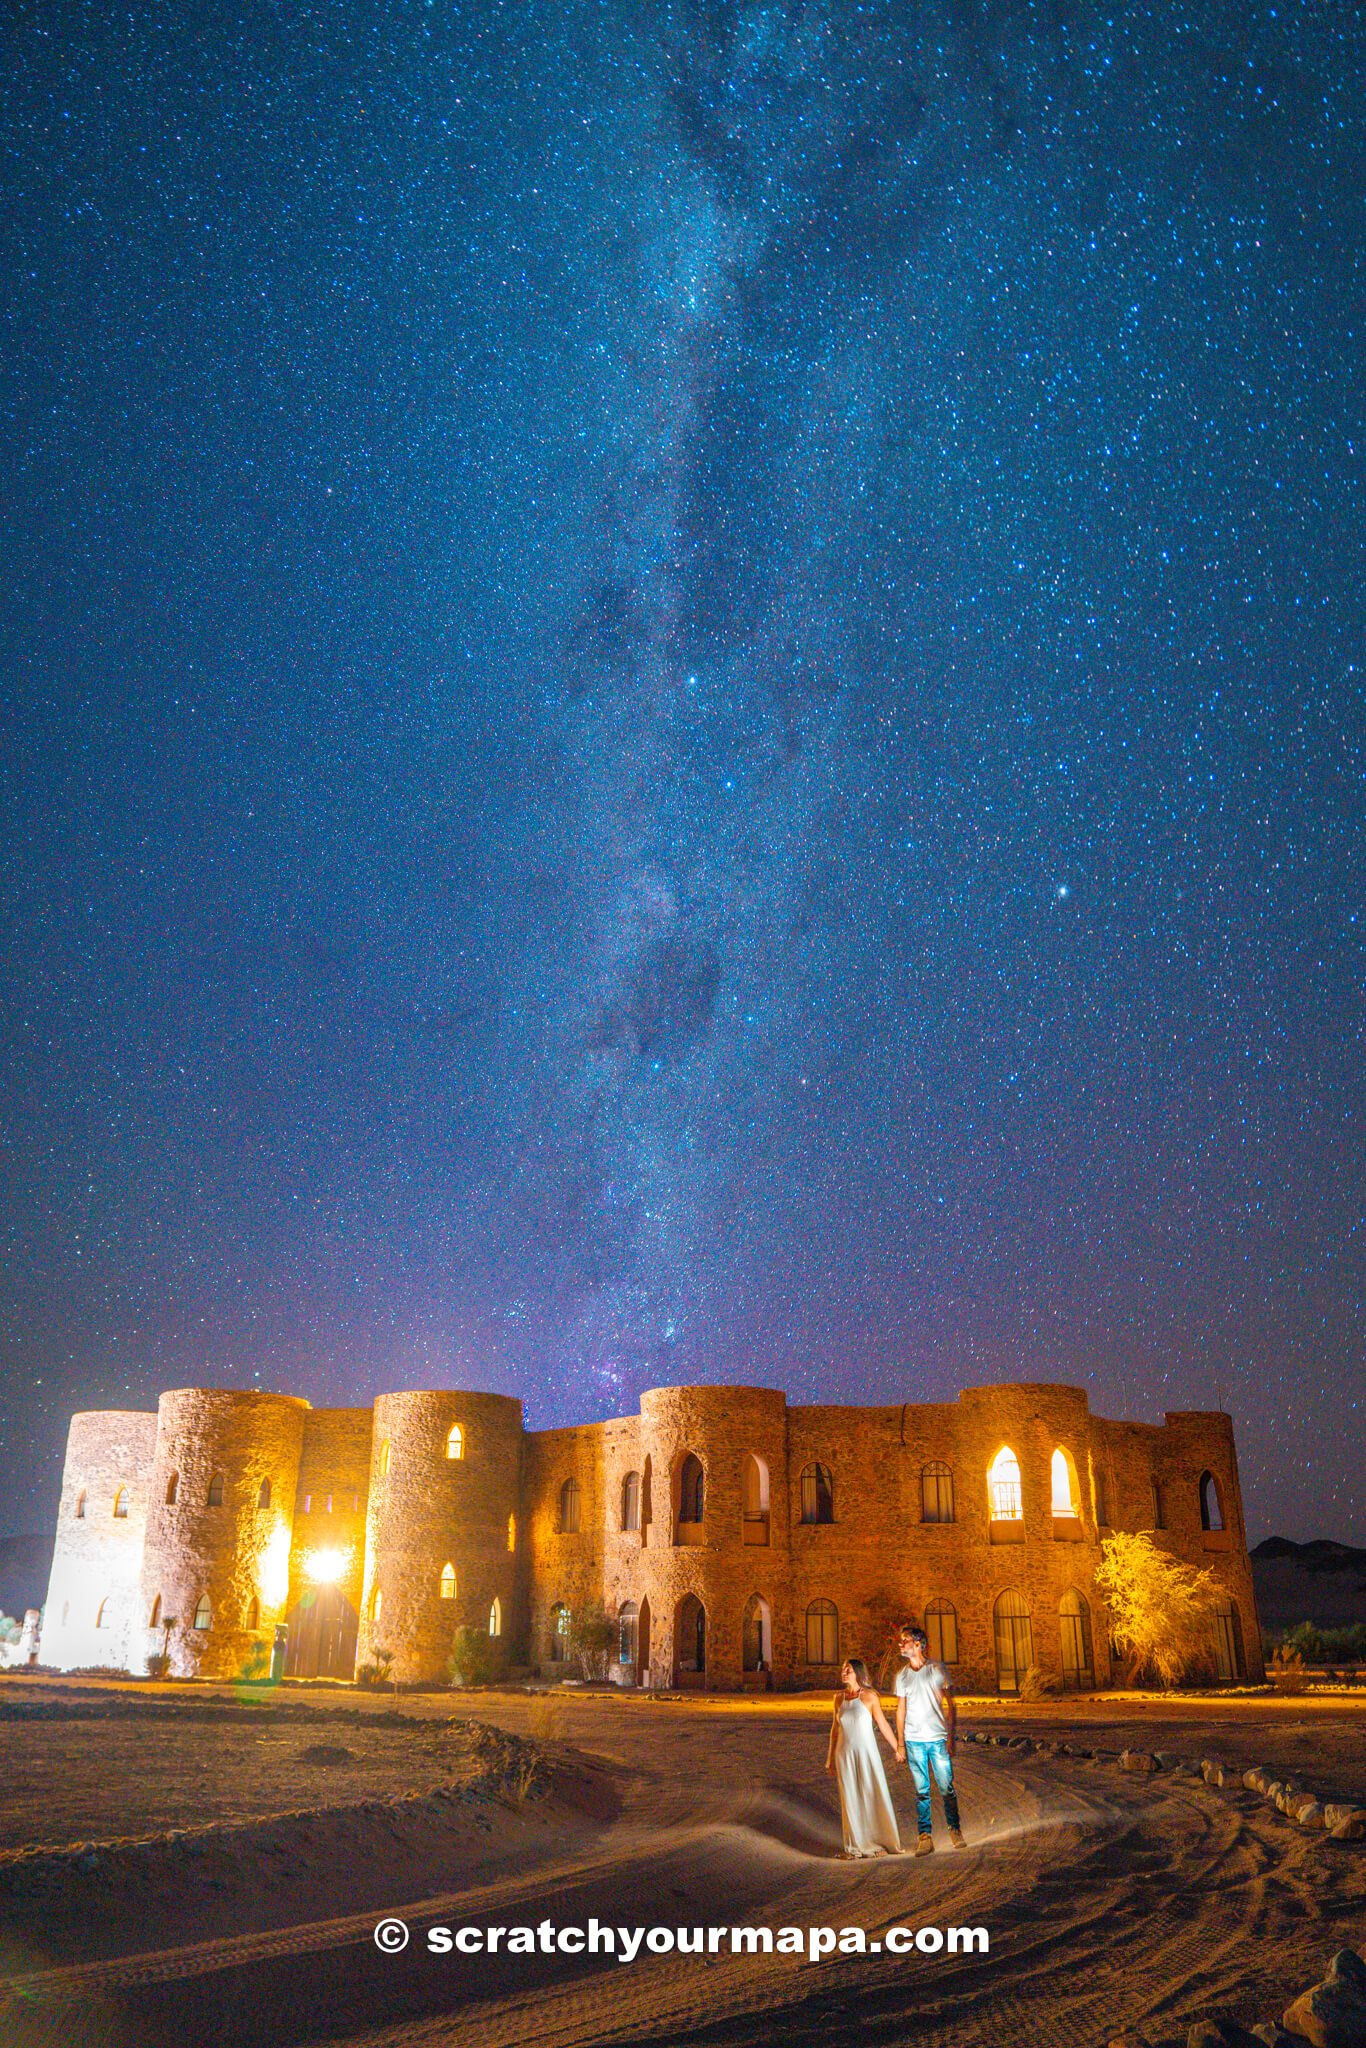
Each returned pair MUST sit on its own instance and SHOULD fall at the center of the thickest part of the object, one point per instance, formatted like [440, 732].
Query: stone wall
[94, 1608]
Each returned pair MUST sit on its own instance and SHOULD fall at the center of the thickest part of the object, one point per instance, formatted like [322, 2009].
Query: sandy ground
[1109, 1901]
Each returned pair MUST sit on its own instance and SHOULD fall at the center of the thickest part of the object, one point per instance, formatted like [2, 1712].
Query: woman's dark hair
[859, 1669]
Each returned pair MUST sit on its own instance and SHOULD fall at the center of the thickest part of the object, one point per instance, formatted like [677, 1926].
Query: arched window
[754, 1493]
[569, 1508]
[630, 1501]
[1066, 1495]
[691, 1490]
[756, 1635]
[496, 1618]
[121, 1505]
[822, 1633]
[386, 1458]
[1211, 1502]
[154, 1618]
[936, 1493]
[512, 1532]
[559, 1632]
[215, 1495]
[1228, 1640]
[1074, 1623]
[941, 1626]
[1159, 1507]
[203, 1613]
[448, 1582]
[376, 1604]
[253, 1612]
[79, 1513]
[628, 1623]
[818, 1494]
[263, 1496]
[102, 1613]
[455, 1441]
[1014, 1640]
[1004, 1488]
[172, 1489]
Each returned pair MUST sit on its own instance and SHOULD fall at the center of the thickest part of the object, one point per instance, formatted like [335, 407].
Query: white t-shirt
[923, 1692]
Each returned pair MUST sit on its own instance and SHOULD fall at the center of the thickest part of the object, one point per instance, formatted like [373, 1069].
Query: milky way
[684, 702]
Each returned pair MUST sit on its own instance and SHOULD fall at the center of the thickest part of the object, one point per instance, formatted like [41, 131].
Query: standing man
[926, 1728]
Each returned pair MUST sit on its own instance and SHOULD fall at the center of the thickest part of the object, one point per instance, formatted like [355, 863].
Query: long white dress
[865, 1803]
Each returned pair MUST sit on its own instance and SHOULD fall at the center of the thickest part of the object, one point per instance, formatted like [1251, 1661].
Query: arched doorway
[756, 1636]
[322, 1635]
[690, 1644]
[643, 1644]
[1074, 1623]
[1014, 1641]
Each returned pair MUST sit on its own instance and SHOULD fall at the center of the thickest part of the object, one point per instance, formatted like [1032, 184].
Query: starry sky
[682, 701]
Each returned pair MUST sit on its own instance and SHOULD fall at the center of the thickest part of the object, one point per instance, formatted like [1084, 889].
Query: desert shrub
[1037, 1684]
[476, 1658]
[592, 1638]
[158, 1664]
[1286, 1669]
[1161, 1611]
[377, 1671]
[545, 1717]
[1316, 1645]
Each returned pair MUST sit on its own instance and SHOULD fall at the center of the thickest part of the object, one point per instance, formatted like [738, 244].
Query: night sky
[682, 700]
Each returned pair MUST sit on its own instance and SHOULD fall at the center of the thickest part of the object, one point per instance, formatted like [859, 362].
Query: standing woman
[855, 1762]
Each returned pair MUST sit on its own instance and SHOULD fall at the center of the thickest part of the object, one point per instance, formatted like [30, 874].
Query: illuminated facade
[736, 1542]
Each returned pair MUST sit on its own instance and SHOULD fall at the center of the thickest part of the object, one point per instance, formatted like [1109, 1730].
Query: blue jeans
[924, 1757]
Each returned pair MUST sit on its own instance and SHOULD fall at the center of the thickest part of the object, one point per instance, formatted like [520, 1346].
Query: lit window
[559, 1632]
[1004, 1487]
[308, 1504]
[375, 1604]
[822, 1632]
[496, 1618]
[448, 1582]
[203, 1614]
[455, 1442]
[172, 1489]
[936, 1493]
[628, 1624]
[630, 1501]
[121, 1505]
[253, 1612]
[386, 1451]
[512, 1532]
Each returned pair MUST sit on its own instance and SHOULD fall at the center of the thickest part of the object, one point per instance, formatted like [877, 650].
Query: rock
[1165, 1760]
[1138, 1760]
[1332, 2014]
[1255, 1779]
[1309, 1814]
[1208, 1766]
[1220, 2034]
[1351, 1827]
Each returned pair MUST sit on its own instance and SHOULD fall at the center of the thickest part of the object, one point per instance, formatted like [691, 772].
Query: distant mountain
[25, 1567]
[1323, 1582]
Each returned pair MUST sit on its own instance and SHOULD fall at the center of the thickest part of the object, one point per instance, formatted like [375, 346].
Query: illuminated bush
[1161, 1611]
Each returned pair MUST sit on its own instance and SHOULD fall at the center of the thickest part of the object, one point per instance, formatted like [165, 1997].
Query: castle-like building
[735, 1542]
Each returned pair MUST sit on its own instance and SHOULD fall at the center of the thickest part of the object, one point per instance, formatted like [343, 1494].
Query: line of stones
[1345, 1823]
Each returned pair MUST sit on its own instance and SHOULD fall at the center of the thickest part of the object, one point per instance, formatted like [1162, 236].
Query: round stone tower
[445, 1489]
[219, 1515]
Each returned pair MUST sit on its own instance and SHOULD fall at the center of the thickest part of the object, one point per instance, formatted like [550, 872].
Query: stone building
[736, 1542]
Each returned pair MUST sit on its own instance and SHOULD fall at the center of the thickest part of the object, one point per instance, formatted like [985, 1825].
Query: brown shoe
[956, 1837]
[925, 1846]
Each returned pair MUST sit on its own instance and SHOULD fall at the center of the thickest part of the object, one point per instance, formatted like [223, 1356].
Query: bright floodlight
[325, 1567]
